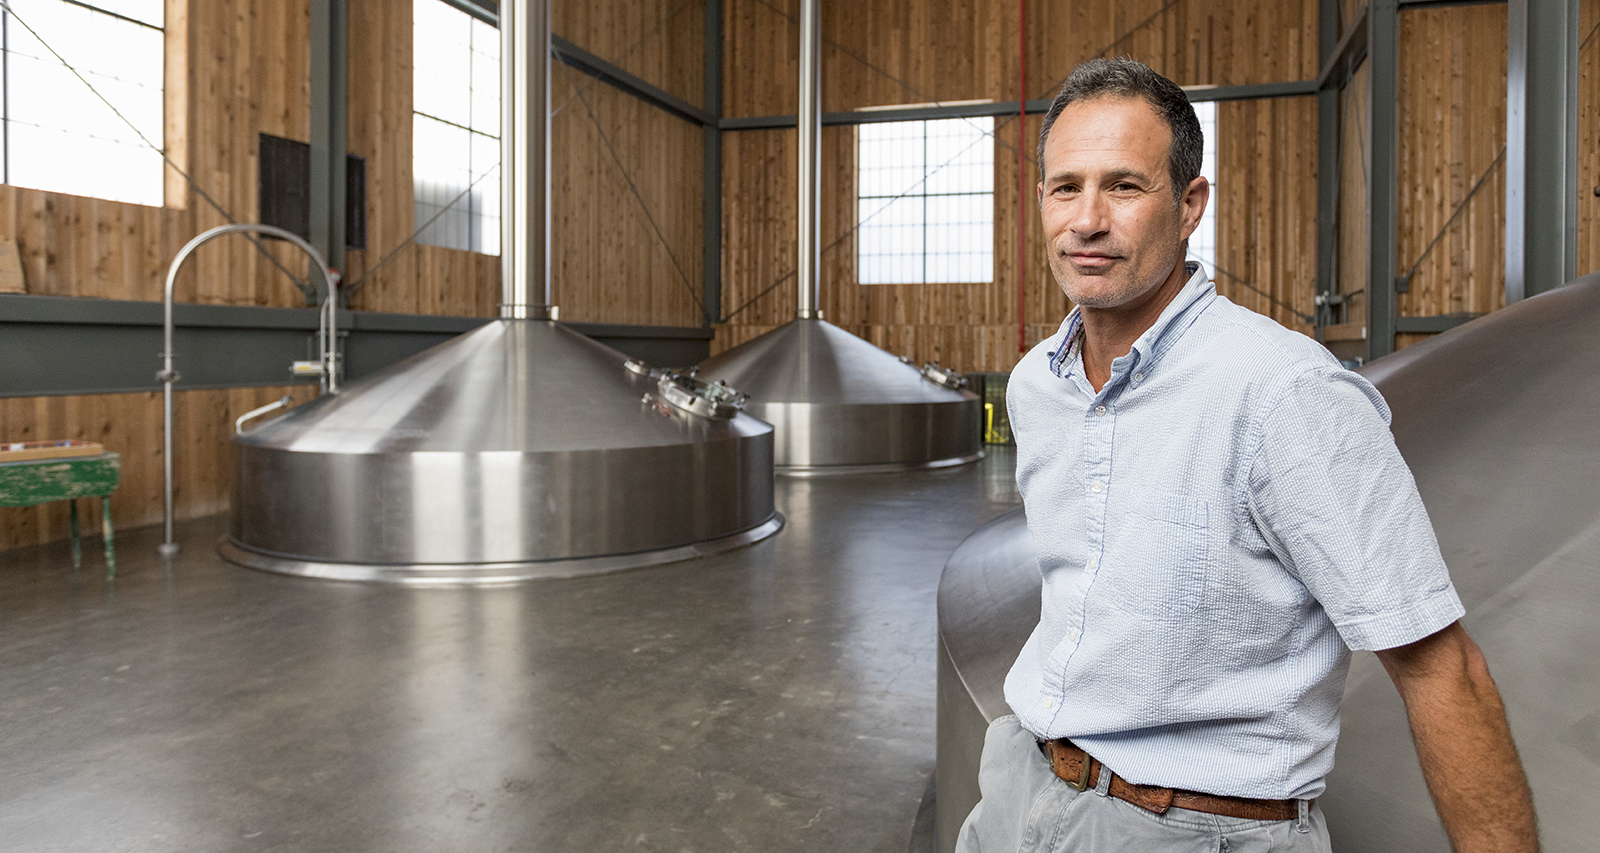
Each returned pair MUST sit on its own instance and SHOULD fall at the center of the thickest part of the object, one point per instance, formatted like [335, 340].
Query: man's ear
[1193, 204]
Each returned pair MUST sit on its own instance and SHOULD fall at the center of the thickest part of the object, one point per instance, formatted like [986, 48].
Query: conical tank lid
[814, 361]
[510, 385]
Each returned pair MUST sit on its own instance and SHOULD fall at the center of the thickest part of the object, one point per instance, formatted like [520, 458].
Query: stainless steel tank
[519, 450]
[1499, 420]
[840, 404]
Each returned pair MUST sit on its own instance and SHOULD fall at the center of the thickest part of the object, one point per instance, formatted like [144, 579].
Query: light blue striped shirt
[1216, 528]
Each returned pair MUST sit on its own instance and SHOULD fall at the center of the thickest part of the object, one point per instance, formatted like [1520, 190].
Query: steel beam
[1340, 61]
[571, 55]
[576, 57]
[1249, 91]
[711, 176]
[1541, 146]
[329, 104]
[486, 11]
[1035, 106]
[1328, 42]
[1383, 37]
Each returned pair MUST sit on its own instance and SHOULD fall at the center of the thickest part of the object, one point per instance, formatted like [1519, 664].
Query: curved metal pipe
[238, 423]
[326, 341]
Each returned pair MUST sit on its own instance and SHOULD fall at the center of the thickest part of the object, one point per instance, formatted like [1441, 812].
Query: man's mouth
[1091, 259]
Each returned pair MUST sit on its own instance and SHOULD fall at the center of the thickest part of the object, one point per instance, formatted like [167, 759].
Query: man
[1220, 515]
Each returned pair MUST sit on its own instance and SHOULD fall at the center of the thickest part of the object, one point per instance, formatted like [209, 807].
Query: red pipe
[1022, 176]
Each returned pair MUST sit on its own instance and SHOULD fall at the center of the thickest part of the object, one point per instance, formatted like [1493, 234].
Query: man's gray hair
[1128, 78]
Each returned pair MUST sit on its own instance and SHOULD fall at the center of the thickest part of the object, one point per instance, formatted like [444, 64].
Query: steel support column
[711, 193]
[1327, 162]
[329, 103]
[1383, 38]
[1541, 146]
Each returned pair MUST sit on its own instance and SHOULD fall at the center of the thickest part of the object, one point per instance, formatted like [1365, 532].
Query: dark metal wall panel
[49, 359]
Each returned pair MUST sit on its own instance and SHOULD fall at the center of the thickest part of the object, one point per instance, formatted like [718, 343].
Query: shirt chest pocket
[1159, 556]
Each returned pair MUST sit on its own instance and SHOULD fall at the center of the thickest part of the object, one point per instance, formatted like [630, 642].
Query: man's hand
[1464, 742]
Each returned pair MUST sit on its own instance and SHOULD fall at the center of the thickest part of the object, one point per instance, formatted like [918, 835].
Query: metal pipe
[525, 160]
[239, 422]
[807, 275]
[326, 341]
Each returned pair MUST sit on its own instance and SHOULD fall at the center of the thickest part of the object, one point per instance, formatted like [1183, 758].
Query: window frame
[162, 131]
[919, 191]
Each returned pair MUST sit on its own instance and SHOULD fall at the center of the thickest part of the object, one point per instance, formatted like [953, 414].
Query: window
[55, 134]
[925, 201]
[1203, 242]
[455, 128]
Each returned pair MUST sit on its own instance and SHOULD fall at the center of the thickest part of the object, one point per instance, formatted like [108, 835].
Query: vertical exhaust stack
[519, 450]
[838, 403]
[525, 161]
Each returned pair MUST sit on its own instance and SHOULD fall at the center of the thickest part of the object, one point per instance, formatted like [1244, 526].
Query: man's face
[1110, 225]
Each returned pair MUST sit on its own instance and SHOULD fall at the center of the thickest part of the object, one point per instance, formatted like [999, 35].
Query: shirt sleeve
[1338, 505]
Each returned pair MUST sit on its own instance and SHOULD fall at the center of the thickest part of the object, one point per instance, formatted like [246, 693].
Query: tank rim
[874, 468]
[489, 574]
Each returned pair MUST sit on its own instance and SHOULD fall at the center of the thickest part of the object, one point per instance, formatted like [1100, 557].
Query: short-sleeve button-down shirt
[1217, 527]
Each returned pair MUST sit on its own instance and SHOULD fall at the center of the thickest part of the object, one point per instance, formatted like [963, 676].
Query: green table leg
[105, 531]
[77, 548]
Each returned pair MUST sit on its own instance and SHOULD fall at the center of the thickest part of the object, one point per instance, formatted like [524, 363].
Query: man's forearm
[1464, 743]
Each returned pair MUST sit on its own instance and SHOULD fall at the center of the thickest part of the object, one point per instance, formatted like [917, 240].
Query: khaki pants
[1026, 808]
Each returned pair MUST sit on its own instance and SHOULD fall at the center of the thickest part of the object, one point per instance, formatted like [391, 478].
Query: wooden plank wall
[627, 204]
[1355, 175]
[1451, 111]
[918, 51]
[1266, 238]
[130, 424]
[661, 41]
[238, 68]
[911, 51]
[1452, 132]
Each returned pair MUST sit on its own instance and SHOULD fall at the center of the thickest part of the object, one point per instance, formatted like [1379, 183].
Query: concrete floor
[776, 698]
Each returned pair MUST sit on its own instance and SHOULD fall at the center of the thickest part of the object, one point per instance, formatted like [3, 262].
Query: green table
[44, 480]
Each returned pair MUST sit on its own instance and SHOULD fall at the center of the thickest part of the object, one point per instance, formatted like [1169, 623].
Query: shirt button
[1097, 487]
[1094, 563]
[1047, 702]
[1138, 377]
[1100, 410]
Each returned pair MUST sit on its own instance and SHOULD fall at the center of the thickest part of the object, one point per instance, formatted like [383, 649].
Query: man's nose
[1089, 216]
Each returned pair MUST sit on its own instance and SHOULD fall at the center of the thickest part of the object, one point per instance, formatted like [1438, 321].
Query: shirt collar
[1175, 318]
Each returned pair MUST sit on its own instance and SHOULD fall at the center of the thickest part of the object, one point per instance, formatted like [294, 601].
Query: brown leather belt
[1082, 771]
